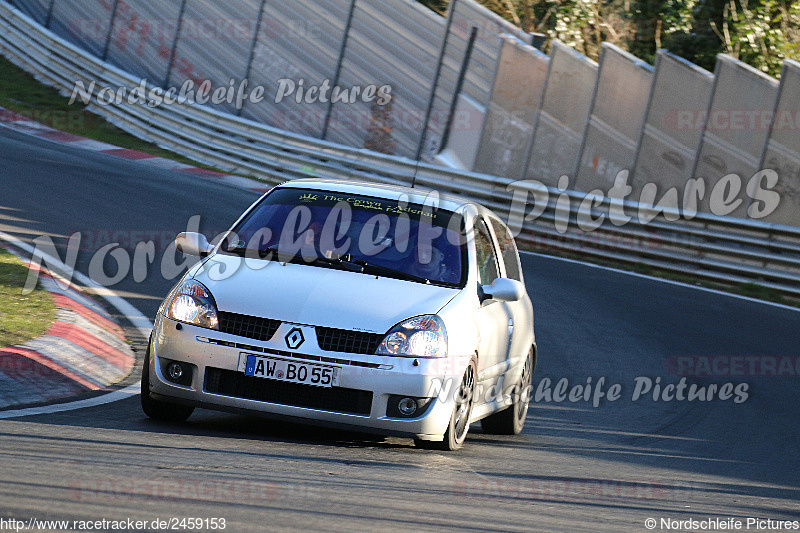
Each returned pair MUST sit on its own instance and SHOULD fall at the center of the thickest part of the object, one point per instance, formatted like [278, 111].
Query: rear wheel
[157, 409]
[511, 420]
[458, 428]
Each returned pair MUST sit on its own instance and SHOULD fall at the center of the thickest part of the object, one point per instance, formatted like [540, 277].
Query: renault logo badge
[294, 338]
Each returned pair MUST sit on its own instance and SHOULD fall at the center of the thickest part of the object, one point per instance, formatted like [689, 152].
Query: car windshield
[360, 233]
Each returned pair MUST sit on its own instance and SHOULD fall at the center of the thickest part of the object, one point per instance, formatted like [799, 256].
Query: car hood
[318, 296]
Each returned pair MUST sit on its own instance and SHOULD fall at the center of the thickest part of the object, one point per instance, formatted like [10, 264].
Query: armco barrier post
[110, 29]
[666, 150]
[561, 123]
[730, 144]
[529, 150]
[339, 63]
[592, 102]
[174, 43]
[49, 14]
[252, 50]
[781, 152]
[435, 85]
[473, 35]
[647, 109]
[619, 105]
[513, 105]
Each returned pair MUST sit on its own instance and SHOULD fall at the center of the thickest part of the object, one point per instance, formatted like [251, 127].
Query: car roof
[382, 190]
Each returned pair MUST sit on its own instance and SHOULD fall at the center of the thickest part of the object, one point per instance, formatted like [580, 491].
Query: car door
[493, 317]
[521, 312]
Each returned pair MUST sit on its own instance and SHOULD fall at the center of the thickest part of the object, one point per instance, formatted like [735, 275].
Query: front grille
[334, 399]
[252, 327]
[343, 340]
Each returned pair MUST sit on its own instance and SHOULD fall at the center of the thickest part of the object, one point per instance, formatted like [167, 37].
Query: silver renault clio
[371, 307]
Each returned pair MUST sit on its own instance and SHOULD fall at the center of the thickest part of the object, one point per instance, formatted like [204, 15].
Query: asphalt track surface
[575, 467]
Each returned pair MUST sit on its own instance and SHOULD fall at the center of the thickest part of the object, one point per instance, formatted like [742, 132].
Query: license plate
[291, 371]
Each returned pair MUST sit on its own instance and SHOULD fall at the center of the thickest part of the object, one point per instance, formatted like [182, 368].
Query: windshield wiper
[344, 262]
[390, 272]
[266, 253]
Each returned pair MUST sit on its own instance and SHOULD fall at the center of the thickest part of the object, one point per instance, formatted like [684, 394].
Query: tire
[511, 420]
[156, 409]
[458, 427]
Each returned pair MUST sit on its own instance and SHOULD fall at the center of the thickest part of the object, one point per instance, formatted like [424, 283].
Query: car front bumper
[361, 400]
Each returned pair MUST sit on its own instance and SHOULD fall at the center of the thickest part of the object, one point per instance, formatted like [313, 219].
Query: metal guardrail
[721, 249]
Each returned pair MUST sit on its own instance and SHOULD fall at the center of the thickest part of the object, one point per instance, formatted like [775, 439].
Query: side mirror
[192, 243]
[502, 290]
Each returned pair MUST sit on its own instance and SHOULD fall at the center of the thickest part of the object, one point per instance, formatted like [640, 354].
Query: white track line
[111, 397]
[136, 317]
[663, 280]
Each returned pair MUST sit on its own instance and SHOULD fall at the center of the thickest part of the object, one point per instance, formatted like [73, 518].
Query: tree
[660, 24]
[762, 33]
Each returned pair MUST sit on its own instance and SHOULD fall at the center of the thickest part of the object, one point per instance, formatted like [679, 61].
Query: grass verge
[22, 317]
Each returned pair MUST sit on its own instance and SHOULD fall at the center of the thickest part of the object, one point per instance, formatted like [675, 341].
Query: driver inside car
[430, 263]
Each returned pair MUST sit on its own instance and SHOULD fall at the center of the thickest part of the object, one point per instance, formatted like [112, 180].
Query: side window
[508, 249]
[487, 260]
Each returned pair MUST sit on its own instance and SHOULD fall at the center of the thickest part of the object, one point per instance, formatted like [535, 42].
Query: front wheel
[457, 430]
[511, 420]
[157, 409]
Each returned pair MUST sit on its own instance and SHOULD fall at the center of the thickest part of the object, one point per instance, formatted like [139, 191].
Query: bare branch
[511, 10]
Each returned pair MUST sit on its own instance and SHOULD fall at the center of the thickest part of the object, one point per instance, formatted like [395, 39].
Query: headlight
[192, 303]
[421, 336]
